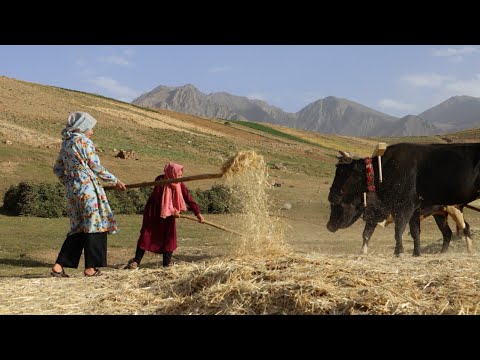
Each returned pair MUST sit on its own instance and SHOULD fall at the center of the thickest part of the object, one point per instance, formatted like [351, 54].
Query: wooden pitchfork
[236, 164]
[210, 223]
[169, 181]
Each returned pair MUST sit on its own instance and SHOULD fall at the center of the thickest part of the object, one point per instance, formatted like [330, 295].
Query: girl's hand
[200, 218]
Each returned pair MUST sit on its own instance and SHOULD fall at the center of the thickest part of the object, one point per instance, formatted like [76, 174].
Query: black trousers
[94, 244]
[167, 256]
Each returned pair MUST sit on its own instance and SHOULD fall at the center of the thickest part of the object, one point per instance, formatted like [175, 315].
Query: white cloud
[216, 69]
[258, 96]
[456, 59]
[81, 62]
[465, 87]
[427, 80]
[116, 60]
[129, 52]
[395, 105]
[114, 88]
[455, 54]
[455, 51]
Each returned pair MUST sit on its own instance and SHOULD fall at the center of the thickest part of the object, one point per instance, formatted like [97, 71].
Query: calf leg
[468, 237]
[467, 231]
[415, 231]
[442, 223]
[367, 234]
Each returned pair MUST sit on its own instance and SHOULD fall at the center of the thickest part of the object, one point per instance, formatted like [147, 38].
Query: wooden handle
[169, 181]
[210, 223]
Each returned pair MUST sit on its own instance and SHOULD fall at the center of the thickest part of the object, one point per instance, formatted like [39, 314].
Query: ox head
[346, 192]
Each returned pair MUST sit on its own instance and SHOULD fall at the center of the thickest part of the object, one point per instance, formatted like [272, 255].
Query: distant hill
[455, 114]
[330, 115]
[188, 99]
[411, 125]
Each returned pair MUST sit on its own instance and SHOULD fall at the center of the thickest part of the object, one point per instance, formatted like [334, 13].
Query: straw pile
[292, 284]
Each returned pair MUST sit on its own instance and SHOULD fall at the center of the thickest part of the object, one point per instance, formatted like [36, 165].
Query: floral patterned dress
[78, 168]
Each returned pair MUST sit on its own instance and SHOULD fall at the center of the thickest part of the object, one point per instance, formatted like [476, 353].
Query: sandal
[96, 273]
[132, 264]
[59, 274]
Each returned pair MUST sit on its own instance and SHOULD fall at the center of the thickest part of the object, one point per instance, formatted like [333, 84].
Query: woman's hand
[200, 218]
[120, 186]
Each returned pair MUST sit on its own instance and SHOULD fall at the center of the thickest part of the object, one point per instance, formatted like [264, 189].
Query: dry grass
[23, 135]
[289, 284]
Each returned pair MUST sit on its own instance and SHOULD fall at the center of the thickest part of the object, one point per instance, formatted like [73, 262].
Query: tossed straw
[236, 164]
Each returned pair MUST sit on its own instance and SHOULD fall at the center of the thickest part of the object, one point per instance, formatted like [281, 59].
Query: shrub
[128, 202]
[201, 198]
[35, 199]
[48, 200]
[217, 200]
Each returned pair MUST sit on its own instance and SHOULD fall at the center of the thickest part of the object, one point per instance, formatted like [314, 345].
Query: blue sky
[394, 79]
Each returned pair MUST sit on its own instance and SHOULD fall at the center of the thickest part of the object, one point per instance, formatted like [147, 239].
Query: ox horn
[346, 157]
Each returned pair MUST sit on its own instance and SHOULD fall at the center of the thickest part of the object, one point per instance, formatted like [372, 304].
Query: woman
[159, 232]
[91, 219]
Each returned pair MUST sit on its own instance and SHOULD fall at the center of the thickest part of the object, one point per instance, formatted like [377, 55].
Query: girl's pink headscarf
[172, 198]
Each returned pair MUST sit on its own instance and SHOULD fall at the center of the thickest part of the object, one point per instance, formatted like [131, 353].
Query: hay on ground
[291, 284]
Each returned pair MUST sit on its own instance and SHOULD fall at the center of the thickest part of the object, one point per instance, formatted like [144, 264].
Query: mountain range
[330, 115]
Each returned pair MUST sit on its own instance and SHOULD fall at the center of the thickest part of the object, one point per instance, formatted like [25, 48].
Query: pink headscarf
[172, 198]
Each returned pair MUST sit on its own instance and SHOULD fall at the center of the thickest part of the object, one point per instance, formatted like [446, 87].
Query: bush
[128, 202]
[201, 198]
[217, 200]
[48, 200]
[36, 199]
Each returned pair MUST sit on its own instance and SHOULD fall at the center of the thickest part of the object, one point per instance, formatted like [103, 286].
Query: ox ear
[345, 157]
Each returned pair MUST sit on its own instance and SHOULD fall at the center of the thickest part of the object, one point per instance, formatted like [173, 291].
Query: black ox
[415, 176]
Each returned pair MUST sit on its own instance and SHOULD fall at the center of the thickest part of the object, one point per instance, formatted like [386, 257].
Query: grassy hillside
[32, 116]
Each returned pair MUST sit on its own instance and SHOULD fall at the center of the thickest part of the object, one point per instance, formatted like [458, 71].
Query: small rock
[127, 154]
[286, 206]
[279, 166]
